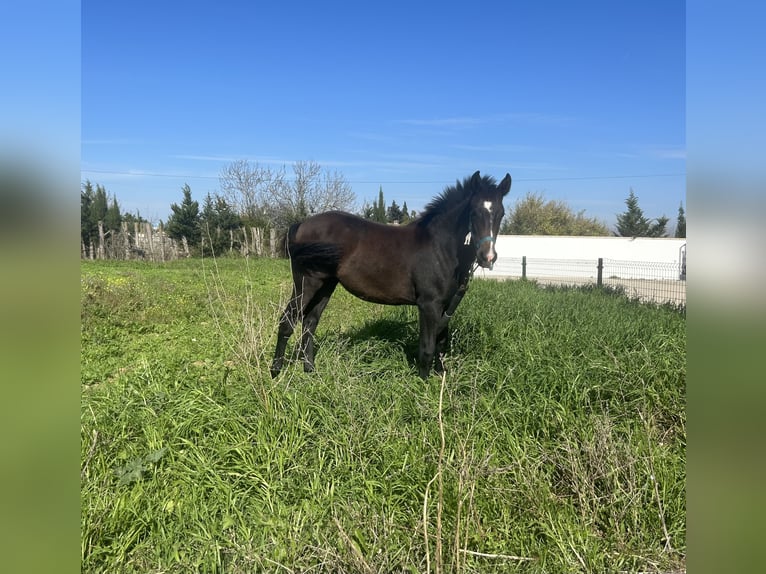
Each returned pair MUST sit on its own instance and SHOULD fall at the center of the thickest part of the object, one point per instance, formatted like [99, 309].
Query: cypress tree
[184, 220]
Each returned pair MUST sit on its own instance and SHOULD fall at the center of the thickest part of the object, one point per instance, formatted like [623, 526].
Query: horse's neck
[453, 232]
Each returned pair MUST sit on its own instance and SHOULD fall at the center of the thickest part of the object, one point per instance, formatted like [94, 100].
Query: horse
[427, 263]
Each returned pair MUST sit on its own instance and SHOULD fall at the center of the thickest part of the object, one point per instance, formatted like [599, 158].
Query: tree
[405, 214]
[632, 222]
[394, 213]
[99, 205]
[218, 220]
[533, 215]
[380, 207]
[112, 217]
[681, 222]
[96, 205]
[311, 191]
[184, 220]
[377, 211]
[131, 218]
[246, 188]
[87, 229]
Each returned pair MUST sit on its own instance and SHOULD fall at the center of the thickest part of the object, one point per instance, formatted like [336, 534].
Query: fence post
[101, 253]
[162, 241]
[600, 275]
[523, 266]
[125, 238]
[150, 240]
[257, 240]
[273, 242]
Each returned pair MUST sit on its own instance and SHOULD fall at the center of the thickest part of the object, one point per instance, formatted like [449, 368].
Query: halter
[480, 242]
[469, 235]
[484, 240]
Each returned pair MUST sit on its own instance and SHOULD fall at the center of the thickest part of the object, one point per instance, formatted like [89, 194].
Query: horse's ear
[505, 185]
[475, 180]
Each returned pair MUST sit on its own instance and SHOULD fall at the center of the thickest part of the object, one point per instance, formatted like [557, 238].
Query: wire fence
[643, 280]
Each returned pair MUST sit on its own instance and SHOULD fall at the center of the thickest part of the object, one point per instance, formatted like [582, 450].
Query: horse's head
[486, 213]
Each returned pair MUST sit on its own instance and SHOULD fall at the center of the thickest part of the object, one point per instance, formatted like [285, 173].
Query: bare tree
[311, 191]
[247, 188]
[264, 197]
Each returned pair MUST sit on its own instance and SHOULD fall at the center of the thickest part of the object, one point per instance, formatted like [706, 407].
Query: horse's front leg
[431, 325]
[442, 345]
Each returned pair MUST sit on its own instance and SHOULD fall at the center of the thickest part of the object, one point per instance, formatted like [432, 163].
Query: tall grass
[554, 442]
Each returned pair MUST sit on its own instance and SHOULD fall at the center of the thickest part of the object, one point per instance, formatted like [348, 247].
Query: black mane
[452, 197]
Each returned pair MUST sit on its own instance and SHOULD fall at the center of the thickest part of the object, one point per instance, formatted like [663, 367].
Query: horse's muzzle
[485, 253]
[486, 263]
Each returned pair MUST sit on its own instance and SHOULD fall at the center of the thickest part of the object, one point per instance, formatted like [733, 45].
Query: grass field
[556, 441]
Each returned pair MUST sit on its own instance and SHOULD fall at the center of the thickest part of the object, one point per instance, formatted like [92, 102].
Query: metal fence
[646, 281]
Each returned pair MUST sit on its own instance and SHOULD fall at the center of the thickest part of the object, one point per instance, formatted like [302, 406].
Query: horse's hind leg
[312, 312]
[287, 324]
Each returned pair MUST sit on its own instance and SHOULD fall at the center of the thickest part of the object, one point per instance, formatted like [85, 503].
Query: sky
[578, 101]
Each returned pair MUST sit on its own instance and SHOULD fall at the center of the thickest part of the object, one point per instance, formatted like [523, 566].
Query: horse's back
[334, 227]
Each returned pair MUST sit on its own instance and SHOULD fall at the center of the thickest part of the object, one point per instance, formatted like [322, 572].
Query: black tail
[313, 257]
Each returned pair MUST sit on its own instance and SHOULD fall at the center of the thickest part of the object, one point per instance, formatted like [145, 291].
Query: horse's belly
[386, 287]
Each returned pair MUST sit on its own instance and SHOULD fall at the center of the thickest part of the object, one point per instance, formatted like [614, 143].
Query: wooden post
[257, 240]
[136, 243]
[273, 242]
[162, 242]
[125, 238]
[149, 240]
[101, 240]
[523, 266]
[244, 245]
[600, 274]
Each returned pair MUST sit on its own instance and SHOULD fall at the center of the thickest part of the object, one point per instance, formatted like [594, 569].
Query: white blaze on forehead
[488, 206]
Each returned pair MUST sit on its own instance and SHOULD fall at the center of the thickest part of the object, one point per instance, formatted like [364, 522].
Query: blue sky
[579, 101]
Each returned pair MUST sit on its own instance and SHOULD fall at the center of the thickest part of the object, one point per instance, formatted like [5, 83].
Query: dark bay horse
[426, 263]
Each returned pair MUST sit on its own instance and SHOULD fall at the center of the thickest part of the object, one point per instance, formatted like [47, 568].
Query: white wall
[577, 256]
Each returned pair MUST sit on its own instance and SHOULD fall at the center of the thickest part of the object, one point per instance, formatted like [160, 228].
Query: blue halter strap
[484, 240]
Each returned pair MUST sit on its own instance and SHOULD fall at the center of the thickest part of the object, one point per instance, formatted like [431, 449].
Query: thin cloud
[501, 148]
[444, 122]
[205, 157]
[111, 141]
[264, 160]
[471, 121]
[651, 152]
[667, 152]
[137, 173]
[371, 136]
